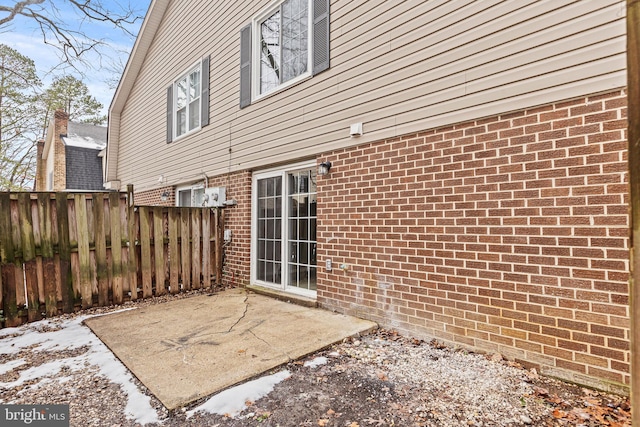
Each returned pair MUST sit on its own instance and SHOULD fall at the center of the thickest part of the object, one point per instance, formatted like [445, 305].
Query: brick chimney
[61, 121]
[41, 183]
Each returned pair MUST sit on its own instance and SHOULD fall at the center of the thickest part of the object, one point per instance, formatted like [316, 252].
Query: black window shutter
[245, 66]
[204, 97]
[170, 113]
[320, 36]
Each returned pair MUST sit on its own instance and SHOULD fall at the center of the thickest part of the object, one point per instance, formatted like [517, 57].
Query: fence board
[21, 297]
[145, 251]
[64, 253]
[116, 248]
[29, 256]
[185, 247]
[174, 251]
[49, 277]
[100, 249]
[84, 259]
[7, 260]
[158, 250]
[37, 239]
[196, 253]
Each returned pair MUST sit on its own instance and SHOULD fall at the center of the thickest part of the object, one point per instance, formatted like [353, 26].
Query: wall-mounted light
[164, 196]
[323, 168]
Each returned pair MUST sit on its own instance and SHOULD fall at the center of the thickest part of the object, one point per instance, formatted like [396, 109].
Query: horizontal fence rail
[61, 252]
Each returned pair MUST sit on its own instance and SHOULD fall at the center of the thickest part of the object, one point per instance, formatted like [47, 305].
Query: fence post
[131, 225]
[219, 243]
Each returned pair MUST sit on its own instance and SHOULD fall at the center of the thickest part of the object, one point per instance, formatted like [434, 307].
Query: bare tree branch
[70, 35]
[16, 9]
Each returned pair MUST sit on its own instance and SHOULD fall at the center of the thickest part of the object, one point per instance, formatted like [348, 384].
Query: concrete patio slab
[191, 348]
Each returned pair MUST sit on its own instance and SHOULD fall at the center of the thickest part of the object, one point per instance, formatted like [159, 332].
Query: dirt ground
[354, 389]
[382, 379]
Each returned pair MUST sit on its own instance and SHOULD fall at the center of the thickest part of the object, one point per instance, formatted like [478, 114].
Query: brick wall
[507, 234]
[236, 268]
[154, 197]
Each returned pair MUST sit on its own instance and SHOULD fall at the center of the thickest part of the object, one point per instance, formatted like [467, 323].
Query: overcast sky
[24, 36]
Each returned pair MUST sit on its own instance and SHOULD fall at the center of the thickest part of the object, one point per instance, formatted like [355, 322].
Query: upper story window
[284, 44]
[188, 101]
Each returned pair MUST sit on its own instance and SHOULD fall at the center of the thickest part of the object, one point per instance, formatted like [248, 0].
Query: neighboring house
[70, 158]
[477, 186]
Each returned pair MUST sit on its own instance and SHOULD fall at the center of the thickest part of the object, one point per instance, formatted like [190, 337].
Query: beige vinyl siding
[396, 66]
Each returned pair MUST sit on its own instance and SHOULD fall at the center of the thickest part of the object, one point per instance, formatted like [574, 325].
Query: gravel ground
[382, 379]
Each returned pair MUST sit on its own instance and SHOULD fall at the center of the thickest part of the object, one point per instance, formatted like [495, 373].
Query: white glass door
[285, 219]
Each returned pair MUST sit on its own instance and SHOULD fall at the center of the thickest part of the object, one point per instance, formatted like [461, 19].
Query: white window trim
[174, 103]
[270, 173]
[255, 52]
[189, 187]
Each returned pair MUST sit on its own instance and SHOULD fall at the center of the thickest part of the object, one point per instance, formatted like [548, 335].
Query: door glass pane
[269, 223]
[301, 249]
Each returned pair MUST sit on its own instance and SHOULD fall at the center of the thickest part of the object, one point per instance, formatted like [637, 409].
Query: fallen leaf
[331, 412]
[382, 376]
[379, 422]
[354, 424]
[557, 413]
[323, 422]
[541, 391]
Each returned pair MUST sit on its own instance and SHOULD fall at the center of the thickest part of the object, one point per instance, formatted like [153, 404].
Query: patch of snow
[318, 361]
[72, 335]
[75, 140]
[10, 366]
[45, 370]
[233, 401]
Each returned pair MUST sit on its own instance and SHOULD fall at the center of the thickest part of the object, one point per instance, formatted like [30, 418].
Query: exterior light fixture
[164, 196]
[323, 168]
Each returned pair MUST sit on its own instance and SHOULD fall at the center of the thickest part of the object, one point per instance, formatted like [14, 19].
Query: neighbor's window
[190, 195]
[284, 44]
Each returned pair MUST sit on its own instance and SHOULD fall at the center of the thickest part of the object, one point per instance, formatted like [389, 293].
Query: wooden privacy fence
[60, 252]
